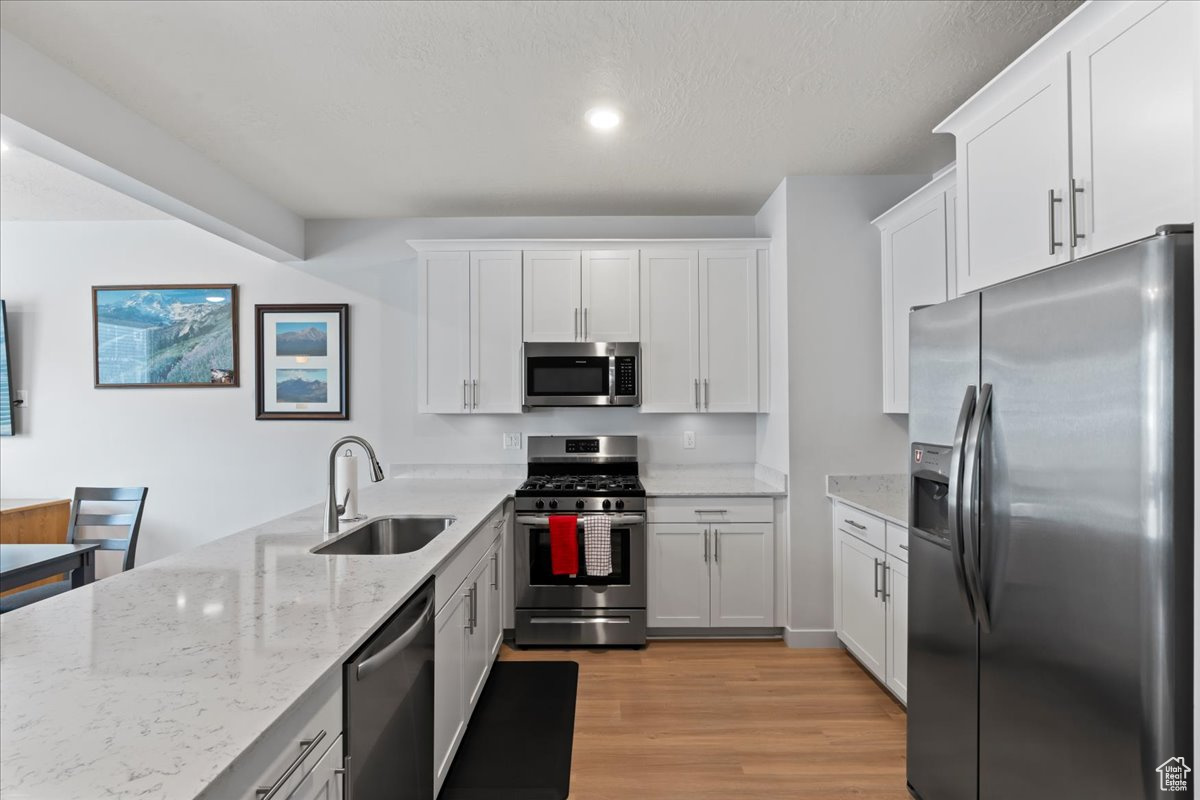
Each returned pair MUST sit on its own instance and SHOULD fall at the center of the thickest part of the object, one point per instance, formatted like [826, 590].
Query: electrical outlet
[21, 398]
[512, 441]
[689, 440]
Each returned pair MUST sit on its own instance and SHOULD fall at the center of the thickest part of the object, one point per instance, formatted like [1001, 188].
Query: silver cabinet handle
[344, 771]
[585, 333]
[1050, 205]
[887, 568]
[577, 323]
[710, 511]
[466, 404]
[1076, 190]
[875, 572]
[474, 394]
[496, 571]
[308, 745]
[474, 607]
[706, 546]
[470, 626]
[854, 524]
[706, 394]
[696, 390]
[716, 544]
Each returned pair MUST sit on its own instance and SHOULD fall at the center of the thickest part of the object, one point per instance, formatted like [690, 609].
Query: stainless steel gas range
[581, 475]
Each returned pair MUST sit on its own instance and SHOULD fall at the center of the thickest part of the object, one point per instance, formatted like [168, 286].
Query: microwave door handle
[612, 378]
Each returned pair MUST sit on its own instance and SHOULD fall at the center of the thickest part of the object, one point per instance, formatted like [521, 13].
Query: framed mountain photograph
[165, 336]
[303, 363]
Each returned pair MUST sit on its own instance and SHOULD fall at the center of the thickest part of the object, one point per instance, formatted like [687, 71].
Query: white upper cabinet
[1085, 142]
[729, 330]
[610, 296]
[1014, 170]
[574, 296]
[917, 247]
[670, 331]
[553, 296]
[1134, 144]
[469, 333]
[444, 333]
[496, 367]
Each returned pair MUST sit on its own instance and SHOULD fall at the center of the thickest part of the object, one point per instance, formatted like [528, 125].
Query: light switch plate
[689, 440]
[512, 441]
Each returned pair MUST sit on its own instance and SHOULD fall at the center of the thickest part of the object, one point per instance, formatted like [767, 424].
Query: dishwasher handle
[365, 668]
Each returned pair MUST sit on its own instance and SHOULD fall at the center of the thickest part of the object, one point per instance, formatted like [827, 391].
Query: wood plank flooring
[744, 720]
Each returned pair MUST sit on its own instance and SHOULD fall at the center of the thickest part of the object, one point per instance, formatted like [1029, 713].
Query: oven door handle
[617, 520]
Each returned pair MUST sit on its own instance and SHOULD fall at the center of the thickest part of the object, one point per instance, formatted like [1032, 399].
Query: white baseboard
[817, 637]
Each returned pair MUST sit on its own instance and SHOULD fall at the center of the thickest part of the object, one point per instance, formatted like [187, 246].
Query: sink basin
[386, 536]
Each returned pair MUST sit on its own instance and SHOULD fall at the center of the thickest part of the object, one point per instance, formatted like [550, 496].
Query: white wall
[834, 369]
[772, 429]
[211, 467]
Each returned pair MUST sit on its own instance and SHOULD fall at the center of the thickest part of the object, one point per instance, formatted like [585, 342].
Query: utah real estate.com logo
[1173, 775]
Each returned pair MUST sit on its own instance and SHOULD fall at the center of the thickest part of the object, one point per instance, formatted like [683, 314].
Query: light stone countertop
[882, 495]
[152, 683]
[712, 480]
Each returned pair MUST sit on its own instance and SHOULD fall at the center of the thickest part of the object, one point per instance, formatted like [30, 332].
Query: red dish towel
[564, 545]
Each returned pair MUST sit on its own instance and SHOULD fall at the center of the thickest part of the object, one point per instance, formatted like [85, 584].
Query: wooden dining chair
[127, 524]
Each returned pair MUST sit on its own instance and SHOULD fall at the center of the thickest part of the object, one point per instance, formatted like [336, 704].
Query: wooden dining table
[22, 564]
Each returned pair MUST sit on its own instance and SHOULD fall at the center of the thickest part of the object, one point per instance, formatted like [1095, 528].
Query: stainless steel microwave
[582, 374]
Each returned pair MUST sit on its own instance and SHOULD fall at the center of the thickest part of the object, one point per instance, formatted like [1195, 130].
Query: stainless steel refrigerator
[1051, 527]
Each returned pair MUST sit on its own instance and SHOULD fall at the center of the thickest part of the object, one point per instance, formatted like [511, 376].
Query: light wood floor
[730, 720]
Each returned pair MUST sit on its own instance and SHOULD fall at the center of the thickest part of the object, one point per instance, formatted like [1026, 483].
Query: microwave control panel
[626, 375]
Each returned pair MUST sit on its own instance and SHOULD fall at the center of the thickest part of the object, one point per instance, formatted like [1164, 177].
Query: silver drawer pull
[854, 524]
[711, 511]
[579, 620]
[309, 745]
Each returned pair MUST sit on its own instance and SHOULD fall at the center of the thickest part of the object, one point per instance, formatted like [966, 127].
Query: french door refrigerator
[1050, 571]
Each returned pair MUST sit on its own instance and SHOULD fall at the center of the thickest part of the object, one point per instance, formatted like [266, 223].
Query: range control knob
[554, 504]
[607, 504]
[620, 504]
[579, 504]
[540, 504]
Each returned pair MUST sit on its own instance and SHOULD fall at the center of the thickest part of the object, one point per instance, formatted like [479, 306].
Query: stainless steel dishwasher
[389, 707]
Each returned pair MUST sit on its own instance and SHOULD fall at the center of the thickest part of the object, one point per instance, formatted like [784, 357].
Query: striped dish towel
[597, 544]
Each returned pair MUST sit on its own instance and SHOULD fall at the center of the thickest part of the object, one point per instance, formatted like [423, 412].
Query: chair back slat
[131, 522]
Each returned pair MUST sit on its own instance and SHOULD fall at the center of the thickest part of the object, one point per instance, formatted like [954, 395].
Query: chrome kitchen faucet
[334, 509]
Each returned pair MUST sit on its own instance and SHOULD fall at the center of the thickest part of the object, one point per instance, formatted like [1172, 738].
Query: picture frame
[302, 361]
[165, 336]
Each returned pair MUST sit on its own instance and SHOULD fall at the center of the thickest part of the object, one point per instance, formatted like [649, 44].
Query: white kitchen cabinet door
[914, 248]
[610, 296]
[323, 783]
[678, 576]
[444, 333]
[863, 618]
[897, 627]
[1134, 145]
[1013, 178]
[553, 296]
[743, 576]
[479, 648]
[729, 330]
[496, 368]
[450, 682]
[670, 331]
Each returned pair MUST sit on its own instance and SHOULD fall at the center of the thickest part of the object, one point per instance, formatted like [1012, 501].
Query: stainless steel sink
[386, 536]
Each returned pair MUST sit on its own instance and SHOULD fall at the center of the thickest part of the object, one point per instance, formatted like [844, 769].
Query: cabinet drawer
[710, 509]
[897, 541]
[451, 574]
[301, 739]
[861, 524]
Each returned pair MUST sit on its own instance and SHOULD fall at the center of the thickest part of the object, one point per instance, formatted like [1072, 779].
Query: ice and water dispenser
[929, 503]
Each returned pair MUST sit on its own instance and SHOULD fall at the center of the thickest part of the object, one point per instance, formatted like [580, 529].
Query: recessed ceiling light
[603, 119]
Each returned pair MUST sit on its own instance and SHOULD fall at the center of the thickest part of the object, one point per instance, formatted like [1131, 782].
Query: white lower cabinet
[716, 572]
[325, 782]
[468, 629]
[871, 597]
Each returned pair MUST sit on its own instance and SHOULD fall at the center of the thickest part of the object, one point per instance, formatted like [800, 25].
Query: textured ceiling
[341, 109]
[32, 188]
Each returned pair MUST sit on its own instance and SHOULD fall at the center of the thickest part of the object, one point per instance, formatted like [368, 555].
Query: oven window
[583, 377]
[539, 561]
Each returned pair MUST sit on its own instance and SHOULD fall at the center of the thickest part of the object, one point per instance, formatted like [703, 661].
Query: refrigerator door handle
[970, 491]
[955, 498]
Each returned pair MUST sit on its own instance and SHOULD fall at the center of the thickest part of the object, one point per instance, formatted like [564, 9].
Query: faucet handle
[341, 507]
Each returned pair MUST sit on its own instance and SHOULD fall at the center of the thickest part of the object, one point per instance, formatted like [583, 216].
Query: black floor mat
[518, 743]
